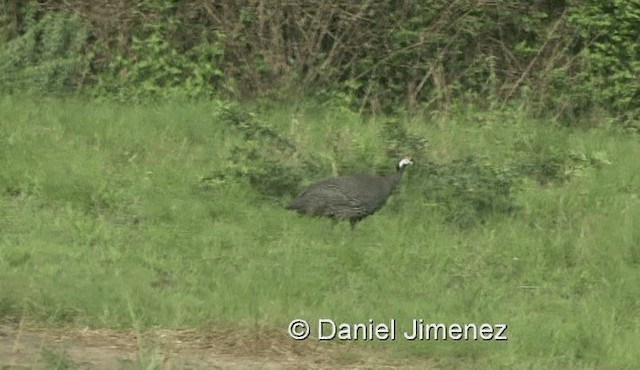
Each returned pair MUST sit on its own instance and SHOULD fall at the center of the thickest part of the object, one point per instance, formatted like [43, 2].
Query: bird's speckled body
[351, 197]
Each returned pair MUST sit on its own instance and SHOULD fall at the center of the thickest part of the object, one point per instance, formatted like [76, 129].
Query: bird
[353, 197]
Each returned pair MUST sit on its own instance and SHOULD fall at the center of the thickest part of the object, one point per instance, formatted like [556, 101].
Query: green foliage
[252, 129]
[569, 60]
[543, 156]
[263, 157]
[47, 59]
[273, 178]
[610, 52]
[158, 70]
[469, 190]
[399, 142]
[156, 66]
[547, 158]
[437, 52]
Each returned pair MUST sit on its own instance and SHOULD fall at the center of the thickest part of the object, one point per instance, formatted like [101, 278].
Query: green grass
[105, 223]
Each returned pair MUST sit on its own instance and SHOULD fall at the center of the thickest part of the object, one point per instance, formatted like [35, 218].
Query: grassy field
[105, 222]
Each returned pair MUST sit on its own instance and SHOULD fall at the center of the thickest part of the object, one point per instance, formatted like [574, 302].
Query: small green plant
[273, 178]
[547, 158]
[400, 142]
[263, 157]
[545, 165]
[469, 190]
[253, 129]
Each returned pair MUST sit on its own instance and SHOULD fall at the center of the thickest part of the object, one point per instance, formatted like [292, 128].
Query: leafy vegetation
[47, 58]
[470, 190]
[572, 61]
[155, 67]
[610, 53]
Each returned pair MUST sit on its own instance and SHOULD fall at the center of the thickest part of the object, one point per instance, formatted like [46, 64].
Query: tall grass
[105, 222]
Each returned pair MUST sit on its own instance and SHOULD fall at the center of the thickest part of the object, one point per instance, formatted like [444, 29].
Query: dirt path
[179, 349]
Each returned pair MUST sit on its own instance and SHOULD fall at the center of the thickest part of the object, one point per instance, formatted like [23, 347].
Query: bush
[399, 142]
[546, 157]
[469, 190]
[610, 55]
[263, 158]
[157, 66]
[564, 59]
[47, 59]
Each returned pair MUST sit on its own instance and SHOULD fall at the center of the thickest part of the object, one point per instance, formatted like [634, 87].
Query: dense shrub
[399, 142]
[469, 190]
[157, 65]
[565, 59]
[610, 55]
[263, 158]
[48, 58]
[547, 158]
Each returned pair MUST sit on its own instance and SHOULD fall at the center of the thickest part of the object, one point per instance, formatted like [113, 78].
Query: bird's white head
[404, 162]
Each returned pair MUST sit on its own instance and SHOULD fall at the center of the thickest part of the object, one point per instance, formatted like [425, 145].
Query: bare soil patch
[22, 347]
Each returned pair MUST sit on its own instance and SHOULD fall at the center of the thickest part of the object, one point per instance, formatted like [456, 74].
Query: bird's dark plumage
[351, 197]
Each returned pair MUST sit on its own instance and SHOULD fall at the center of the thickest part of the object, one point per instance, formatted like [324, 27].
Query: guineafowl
[352, 197]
